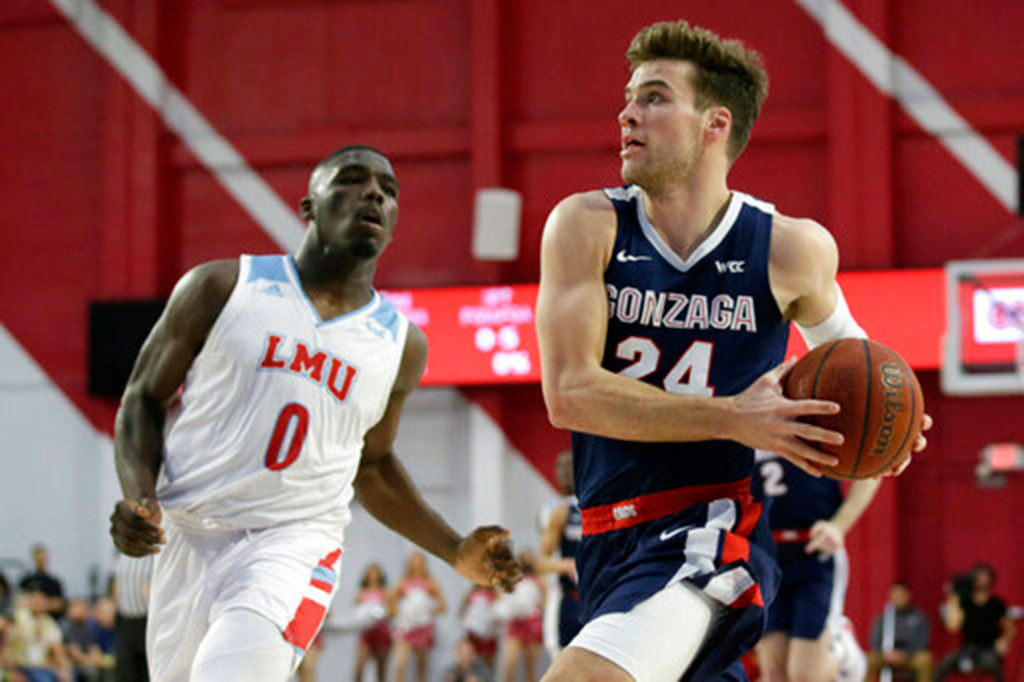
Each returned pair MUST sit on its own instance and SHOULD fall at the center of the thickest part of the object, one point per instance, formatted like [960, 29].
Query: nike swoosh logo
[624, 257]
[669, 534]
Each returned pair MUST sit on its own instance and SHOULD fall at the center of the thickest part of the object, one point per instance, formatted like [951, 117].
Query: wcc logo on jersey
[321, 367]
[736, 267]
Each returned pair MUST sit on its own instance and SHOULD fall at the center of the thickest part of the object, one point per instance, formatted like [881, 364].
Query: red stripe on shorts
[751, 596]
[304, 625]
[734, 548]
[632, 512]
[750, 514]
[321, 585]
[331, 559]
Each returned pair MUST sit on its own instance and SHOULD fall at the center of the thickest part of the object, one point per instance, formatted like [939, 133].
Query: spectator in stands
[467, 667]
[34, 643]
[104, 621]
[6, 607]
[6, 599]
[82, 642]
[980, 616]
[416, 602]
[371, 614]
[899, 639]
[5, 666]
[480, 622]
[42, 581]
[131, 591]
[522, 609]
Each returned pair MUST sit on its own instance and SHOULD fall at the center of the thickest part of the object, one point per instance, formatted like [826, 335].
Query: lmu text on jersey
[339, 375]
[681, 311]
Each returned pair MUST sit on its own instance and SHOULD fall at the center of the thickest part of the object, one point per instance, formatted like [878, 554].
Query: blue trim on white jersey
[267, 267]
[297, 281]
[387, 316]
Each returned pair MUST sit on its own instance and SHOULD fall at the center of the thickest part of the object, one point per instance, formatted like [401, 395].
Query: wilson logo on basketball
[892, 406]
[880, 399]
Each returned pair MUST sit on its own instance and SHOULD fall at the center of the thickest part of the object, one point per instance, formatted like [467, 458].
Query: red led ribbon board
[477, 335]
[486, 335]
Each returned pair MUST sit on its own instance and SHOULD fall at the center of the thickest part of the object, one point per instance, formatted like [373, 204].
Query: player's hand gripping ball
[882, 413]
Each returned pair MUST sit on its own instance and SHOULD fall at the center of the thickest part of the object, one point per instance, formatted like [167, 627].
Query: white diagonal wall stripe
[891, 74]
[228, 166]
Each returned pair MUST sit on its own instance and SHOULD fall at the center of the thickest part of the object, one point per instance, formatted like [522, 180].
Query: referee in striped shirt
[131, 589]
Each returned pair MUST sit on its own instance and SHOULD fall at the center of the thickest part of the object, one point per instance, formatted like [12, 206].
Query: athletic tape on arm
[839, 325]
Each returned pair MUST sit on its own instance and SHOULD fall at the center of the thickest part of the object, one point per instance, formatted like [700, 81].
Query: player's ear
[718, 124]
[306, 207]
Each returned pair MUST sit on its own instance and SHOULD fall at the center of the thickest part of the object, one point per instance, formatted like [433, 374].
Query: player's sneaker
[853, 664]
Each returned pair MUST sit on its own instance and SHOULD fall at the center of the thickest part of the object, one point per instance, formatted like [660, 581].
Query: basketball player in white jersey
[292, 374]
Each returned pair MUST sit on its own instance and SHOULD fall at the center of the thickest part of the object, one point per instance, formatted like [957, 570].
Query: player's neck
[686, 211]
[336, 283]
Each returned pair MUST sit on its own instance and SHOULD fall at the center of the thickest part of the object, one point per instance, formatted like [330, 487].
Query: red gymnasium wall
[101, 201]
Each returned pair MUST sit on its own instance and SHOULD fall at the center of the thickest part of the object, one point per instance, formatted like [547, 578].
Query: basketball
[882, 407]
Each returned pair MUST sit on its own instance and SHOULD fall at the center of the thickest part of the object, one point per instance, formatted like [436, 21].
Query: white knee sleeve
[636, 640]
[243, 645]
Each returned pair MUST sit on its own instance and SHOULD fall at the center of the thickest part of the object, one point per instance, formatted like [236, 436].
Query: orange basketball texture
[882, 406]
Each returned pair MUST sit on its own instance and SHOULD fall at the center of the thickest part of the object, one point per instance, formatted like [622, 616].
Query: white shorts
[636, 640]
[288, 574]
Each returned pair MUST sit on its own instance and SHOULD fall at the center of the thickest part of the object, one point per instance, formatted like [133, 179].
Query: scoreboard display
[984, 349]
[477, 335]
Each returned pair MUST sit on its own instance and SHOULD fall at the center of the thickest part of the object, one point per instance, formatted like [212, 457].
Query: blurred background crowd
[47, 635]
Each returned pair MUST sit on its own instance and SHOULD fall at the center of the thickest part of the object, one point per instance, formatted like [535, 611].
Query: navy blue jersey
[795, 500]
[705, 326]
[658, 513]
[813, 587]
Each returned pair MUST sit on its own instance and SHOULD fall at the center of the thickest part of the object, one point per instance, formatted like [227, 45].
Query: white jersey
[275, 407]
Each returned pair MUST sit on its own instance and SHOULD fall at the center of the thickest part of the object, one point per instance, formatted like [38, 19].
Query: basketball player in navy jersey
[294, 372]
[807, 638]
[663, 316]
[559, 540]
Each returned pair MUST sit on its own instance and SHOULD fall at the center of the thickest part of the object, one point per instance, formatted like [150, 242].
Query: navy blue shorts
[807, 594]
[568, 620]
[619, 569]
[734, 633]
[734, 673]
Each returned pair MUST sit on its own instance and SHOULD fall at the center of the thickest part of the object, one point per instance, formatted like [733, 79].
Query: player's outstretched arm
[385, 489]
[572, 322]
[827, 535]
[159, 370]
[547, 562]
[553, 530]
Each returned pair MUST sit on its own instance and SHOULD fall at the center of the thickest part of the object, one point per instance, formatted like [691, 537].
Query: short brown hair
[728, 73]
